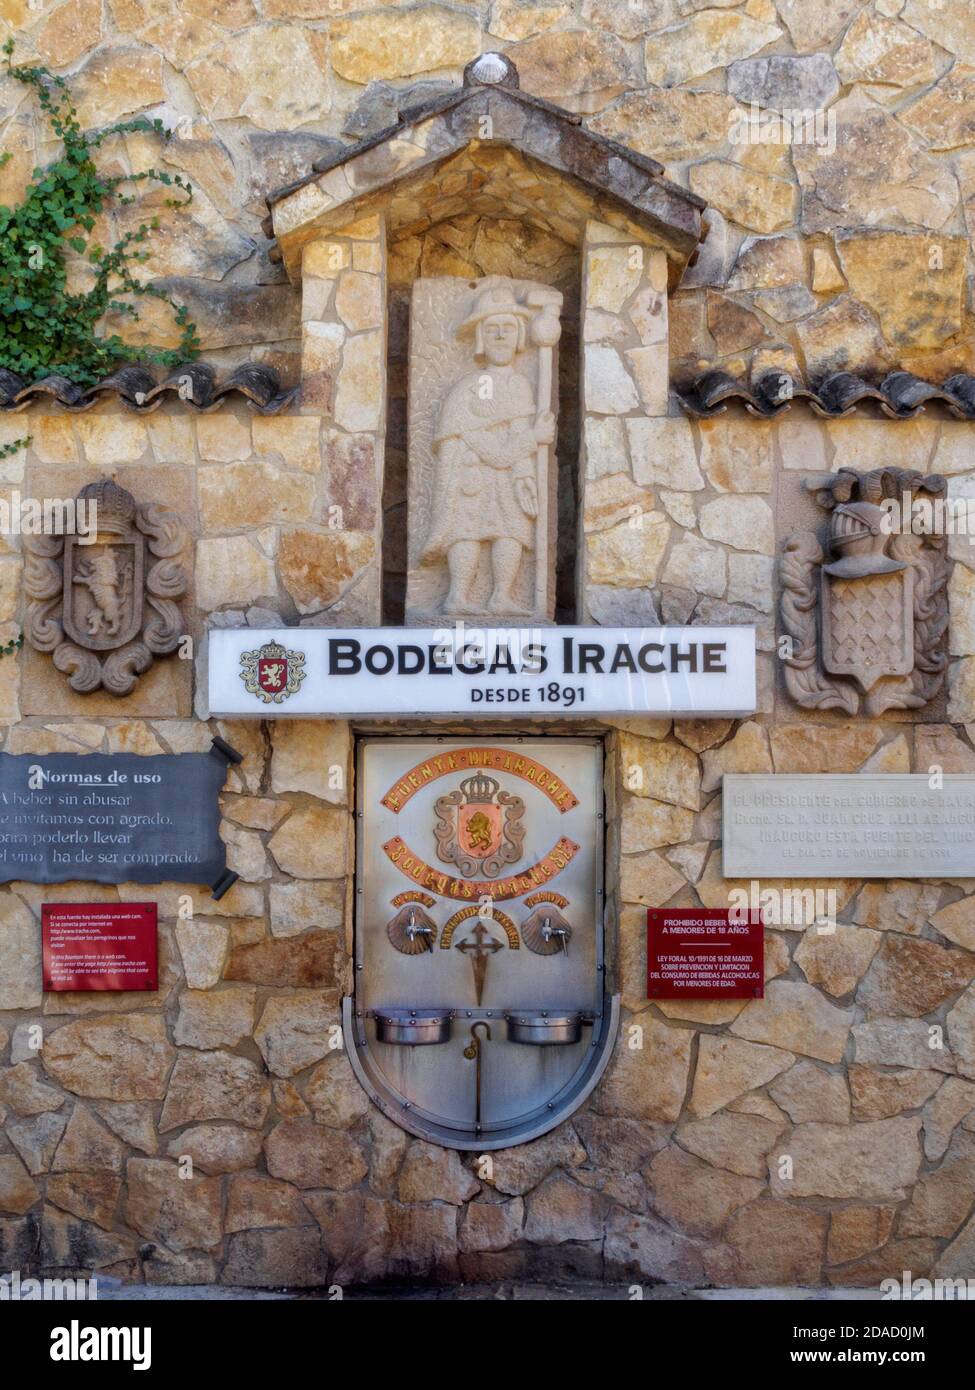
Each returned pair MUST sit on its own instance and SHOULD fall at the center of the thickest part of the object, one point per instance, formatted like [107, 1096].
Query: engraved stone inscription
[866, 826]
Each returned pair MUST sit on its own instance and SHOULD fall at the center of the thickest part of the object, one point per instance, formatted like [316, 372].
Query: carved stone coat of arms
[866, 607]
[105, 605]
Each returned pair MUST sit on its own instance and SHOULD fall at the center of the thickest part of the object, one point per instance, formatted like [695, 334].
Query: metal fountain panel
[480, 1016]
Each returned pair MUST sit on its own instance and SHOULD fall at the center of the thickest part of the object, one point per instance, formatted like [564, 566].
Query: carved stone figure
[110, 585]
[105, 607]
[867, 612]
[482, 448]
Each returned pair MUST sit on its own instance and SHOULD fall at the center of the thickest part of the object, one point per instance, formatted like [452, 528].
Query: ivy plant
[45, 327]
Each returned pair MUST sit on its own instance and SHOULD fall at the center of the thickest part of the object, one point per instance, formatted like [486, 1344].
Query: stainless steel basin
[543, 1027]
[413, 1027]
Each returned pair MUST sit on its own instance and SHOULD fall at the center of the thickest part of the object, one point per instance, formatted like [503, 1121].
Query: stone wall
[671, 1170]
[862, 1047]
[862, 258]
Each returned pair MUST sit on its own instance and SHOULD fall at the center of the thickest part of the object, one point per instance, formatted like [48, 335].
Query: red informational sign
[705, 953]
[95, 946]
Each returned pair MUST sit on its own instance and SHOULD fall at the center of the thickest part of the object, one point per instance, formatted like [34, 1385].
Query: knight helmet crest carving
[105, 607]
[865, 602]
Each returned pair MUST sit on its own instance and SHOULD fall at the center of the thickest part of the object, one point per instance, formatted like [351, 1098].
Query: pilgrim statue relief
[482, 447]
[486, 444]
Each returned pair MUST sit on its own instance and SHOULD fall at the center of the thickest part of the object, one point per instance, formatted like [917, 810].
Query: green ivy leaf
[46, 328]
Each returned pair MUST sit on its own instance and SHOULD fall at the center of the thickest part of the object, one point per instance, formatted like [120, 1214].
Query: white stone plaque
[848, 825]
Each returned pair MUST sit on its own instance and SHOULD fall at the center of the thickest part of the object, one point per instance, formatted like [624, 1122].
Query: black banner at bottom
[171, 1331]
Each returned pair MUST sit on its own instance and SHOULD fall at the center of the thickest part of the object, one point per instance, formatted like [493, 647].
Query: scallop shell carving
[490, 67]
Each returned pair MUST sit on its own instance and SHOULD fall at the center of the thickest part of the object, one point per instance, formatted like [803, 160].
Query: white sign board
[848, 825]
[543, 671]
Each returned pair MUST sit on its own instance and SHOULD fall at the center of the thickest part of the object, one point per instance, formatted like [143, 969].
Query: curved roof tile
[900, 396]
[194, 384]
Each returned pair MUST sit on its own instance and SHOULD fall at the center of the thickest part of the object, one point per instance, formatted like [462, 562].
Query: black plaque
[102, 818]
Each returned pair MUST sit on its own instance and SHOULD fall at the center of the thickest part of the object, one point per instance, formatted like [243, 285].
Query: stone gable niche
[484, 199]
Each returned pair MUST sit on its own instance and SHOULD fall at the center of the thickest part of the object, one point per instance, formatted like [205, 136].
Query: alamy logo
[15, 1289]
[77, 1343]
[49, 516]
[757, 125]
[912, 1290]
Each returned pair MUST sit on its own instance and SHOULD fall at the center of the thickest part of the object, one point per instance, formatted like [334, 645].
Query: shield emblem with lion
[479, 827]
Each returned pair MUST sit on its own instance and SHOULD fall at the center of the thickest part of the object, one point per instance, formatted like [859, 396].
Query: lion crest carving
[106, 607]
